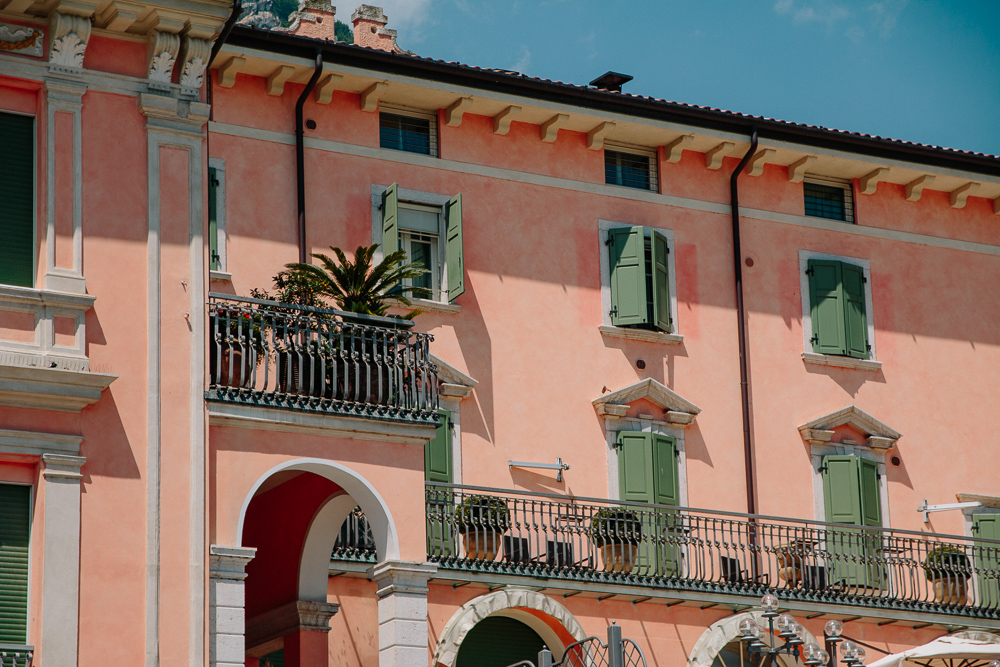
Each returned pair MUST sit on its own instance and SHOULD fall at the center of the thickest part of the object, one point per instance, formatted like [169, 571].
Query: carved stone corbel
[69, 35]
[194, 61]
[161, 54]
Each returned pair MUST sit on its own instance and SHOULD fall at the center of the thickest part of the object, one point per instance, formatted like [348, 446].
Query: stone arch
[723, 631]
[522, 604]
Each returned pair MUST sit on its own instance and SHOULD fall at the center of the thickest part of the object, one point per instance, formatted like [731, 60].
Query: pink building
[603, 413]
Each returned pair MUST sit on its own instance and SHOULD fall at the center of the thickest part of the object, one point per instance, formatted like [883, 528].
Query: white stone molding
[449, 376]
[878, 435]
[51, 388]
[32, 443]
[314, 564]
[229, 70]
[69, 35]
[713, 157]
[509, 602]
[326, 86]
[501, 122]
[277, 78]
[119, 15]
[227, 604]
[453, 113]
[194, 57]
[550, 128]
[916, 187]
[47, 311]
[161, 54]
[402, 611]
[868, 183]
[21, 39]
[61, 479]
[675, 148]
[726, 630]
[265, 632]
[841, 362]
[797, 169]
[755, 167]
[678, 410]
[959, 195]
[595, 138]
[371, 95]
[646, 335]
[174, 116]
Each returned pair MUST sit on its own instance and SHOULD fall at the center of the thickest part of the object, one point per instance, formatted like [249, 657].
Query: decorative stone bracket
[69, 35]
[161, 54]
[265, 631]
[194, 60]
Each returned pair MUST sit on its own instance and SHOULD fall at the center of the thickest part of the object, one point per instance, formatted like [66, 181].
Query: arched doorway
[720, 645]
[498, 641]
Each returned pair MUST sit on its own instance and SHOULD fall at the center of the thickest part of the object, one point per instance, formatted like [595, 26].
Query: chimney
[370, 31]
[612, 81]
[316, 19]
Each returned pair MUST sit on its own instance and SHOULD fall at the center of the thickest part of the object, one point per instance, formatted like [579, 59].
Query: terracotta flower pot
[619, 556]
[481, 544]
[951, 590]
[240, 375]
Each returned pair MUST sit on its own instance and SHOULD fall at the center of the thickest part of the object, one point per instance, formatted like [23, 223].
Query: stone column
[402, 611]
[300, 628]
[227, 571]
[61, 559]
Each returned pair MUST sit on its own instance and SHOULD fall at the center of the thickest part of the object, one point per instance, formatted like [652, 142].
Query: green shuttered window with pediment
[17, 200]
[837, 308]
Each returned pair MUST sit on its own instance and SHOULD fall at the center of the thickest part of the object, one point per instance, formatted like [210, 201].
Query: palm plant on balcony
[482, 520]
[617, 532]
[948, 568]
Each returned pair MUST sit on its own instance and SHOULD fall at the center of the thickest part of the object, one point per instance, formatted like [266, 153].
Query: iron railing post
[616, 651]
[545, 658]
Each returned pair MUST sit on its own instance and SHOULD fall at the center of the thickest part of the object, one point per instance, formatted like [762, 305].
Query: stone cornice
[678, 410]
[878, 435]
[51, 388]
[33, 443]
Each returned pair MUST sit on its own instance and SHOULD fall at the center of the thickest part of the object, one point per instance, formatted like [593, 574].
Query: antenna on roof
[612, 81]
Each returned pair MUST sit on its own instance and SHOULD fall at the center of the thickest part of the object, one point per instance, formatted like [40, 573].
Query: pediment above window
[454, 383]
[677, 410]
[877, 435]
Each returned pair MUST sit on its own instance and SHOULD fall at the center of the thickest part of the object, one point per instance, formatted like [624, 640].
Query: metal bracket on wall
[558, 465]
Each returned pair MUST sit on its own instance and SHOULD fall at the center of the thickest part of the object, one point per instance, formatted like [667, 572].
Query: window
[838, 308]
[15, 522]
[410, 131]
[987, 526]
[217, 215]
[851, 495]
[827, 198]
[648, 473]
[17, 200]
[633, 168]
[638, 259]
[429, 229]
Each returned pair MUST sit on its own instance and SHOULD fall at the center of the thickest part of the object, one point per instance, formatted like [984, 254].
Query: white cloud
[885, 14]
[524, 62]
[404, 13]
[812, 11]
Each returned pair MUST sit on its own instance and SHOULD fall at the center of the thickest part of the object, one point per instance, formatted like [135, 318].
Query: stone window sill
[841, 362]
[220, 277]
[428, 306]
[644, 335]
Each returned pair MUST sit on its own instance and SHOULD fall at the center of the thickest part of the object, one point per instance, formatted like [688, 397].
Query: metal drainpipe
[734, 194]
[300, 157]
[226, 29]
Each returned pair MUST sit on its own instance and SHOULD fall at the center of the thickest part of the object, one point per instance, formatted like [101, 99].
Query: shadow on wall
[117, 459]
[477, 349]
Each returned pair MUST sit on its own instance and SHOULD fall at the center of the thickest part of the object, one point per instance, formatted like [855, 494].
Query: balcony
[599, 547]
[296, 358]
[14, 655]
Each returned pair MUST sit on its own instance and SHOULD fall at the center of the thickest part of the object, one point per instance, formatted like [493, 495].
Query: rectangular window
[838, 308]
[15, 523]
[631, 169]
[829, 199]
[216, 215]
[851, 496]
[640, 288]
[17, 200]
[409, 131]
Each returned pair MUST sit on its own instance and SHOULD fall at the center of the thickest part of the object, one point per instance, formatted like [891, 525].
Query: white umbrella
[962, 649]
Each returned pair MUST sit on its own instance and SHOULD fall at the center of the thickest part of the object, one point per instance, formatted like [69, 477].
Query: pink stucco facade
[152, 483]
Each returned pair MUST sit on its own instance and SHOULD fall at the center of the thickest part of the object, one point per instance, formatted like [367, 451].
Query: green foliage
[947, 561]
[290, 287]
[481, 513]
[282, 10]
[343, 32]
[615, 525]
[359, 286]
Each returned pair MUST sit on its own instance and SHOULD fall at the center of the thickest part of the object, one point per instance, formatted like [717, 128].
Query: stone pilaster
[226, 614]
[402, 611]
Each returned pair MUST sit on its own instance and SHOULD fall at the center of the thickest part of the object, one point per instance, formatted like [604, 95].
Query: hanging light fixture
[792, 634]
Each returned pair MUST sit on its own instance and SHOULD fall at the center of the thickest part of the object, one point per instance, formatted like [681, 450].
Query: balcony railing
[355, 542]
[587, 539]
[279, 355]
[14, 655]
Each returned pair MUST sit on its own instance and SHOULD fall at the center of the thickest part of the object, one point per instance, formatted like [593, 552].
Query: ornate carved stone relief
[20, 39]
[161, 54]
[195, 59]
[70, 35]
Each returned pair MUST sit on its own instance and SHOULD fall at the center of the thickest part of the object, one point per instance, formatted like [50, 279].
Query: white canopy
[962, 649]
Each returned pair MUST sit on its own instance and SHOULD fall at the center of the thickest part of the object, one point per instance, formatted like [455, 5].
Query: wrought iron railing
[15, 655]
[355, 542]
[536, 534]
[296, 357]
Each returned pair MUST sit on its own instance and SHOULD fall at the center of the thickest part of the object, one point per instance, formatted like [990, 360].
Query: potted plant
[236, 344]
[482, 520]
[616, 531]
[948, 568]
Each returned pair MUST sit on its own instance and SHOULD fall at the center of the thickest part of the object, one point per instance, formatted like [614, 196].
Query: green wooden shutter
[851, 495]
[17, 200]
[15, 509]
[665, 483]
[855, 317]
[453, 247]
[987, 559]
[390, 220]
[841, 491]
[437, 452]
[661, 283]
[627, 255]
[635, 467]
[666, 491]
[826, 306]
[213, 219]
[871, 497]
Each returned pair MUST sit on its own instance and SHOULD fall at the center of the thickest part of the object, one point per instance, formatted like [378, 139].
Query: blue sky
[919, 70]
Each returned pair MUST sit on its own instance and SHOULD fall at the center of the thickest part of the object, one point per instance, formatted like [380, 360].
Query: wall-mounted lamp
[558, 465]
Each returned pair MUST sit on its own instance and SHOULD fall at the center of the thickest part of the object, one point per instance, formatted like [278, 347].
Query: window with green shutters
[437, 452]
[638, 262]
[427, 231]
[15, 524]
[214, 258]
[439, 467]
[17, 200]
[851, 495]
[838, 308]
[987, 560]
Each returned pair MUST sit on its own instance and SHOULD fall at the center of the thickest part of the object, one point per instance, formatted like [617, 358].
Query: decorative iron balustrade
[14, 655]
[588, 539]
[355, 542]
[280, 355]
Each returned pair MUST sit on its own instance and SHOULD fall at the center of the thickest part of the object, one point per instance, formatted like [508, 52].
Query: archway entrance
[498, 641]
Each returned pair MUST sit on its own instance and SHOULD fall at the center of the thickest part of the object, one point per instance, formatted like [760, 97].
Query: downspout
[734, 195]
[300, 156]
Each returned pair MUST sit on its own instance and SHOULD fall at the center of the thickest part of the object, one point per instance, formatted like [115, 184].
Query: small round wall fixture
[310, 124]
[640, 364]
[749, 262]
[895, 461]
